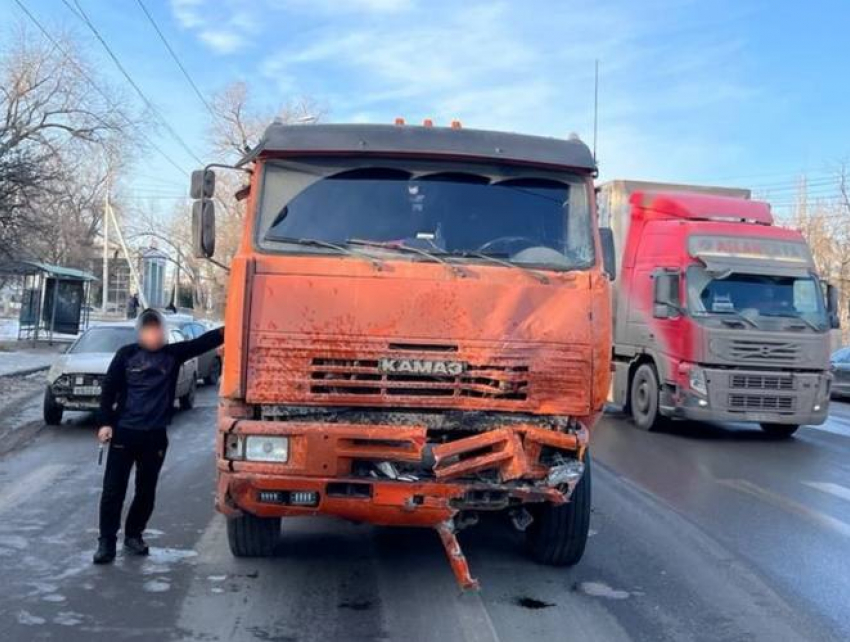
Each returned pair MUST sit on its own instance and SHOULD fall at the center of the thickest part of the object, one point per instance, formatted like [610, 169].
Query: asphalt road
[703, 533]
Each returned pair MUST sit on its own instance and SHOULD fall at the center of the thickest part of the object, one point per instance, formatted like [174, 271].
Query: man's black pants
[146, 450]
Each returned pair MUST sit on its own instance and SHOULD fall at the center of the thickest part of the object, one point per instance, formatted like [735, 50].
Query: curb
[25, 372]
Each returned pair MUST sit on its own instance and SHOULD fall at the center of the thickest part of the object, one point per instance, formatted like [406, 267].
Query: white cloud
[224, 27]
[187, 12]
[345, 6]
[506, 65]
[222, 41]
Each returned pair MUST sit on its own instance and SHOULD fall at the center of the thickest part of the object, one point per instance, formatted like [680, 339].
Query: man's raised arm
[185, 350]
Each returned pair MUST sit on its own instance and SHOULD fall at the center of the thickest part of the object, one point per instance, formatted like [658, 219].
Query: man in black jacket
[136, 404]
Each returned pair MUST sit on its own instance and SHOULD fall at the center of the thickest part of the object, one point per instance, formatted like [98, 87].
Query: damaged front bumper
[323, 474]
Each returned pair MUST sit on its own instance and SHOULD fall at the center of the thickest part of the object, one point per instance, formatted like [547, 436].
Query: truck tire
[215, 372]
[643, 398]
[780, 431]
[251, 536]
[558, 534]
[187, 401]
[52, 410]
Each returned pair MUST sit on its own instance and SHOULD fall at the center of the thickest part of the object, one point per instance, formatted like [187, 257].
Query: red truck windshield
[529, 219]
[756, 294]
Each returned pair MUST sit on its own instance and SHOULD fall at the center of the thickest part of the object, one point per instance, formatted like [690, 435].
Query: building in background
[153, 276]
[120, 278]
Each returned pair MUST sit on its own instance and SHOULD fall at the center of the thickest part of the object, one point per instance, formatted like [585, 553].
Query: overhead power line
[94, 85]
[793, 174]
[176, 59]
[82, 15]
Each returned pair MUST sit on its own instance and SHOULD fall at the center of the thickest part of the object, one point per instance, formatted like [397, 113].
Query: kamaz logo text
[422, 367]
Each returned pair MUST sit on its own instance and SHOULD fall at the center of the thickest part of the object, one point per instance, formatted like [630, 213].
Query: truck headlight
[696, 380]
[263, 448]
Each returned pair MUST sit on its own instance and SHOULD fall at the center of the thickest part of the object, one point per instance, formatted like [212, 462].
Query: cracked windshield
[532, 220]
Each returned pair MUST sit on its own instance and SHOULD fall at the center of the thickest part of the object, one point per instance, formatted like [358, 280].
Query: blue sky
[746, 92]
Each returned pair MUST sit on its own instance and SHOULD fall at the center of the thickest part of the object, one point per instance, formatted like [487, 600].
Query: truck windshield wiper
[504, 262]
[799, 317]
[814, 326]
[401, 247]
[740, 316]
[375, 263]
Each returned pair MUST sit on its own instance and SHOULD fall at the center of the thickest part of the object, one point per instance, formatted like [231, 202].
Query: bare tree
[825, 223]
[237, 127]
[54, 134]
[238, 124]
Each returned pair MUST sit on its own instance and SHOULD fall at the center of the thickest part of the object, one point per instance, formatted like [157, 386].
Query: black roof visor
[402, 141]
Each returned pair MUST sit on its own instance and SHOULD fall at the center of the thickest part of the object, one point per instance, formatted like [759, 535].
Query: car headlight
[696, 380]
[263, 448]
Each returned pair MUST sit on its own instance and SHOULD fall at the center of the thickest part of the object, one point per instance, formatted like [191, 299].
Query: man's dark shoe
[136, 546]
[105, 553]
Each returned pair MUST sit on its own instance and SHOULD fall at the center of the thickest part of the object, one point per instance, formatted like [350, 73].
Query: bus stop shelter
[54, 301]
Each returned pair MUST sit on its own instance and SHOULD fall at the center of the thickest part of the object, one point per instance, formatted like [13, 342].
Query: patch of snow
[28, 619]
[8, 329]
[68, 618]
[156, 586]
[11, 362]
[13, 541]
[170, 555]
[600, 589]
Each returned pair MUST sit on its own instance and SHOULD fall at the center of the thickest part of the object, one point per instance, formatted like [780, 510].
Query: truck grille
[403, 373]
[749, 350]
[761, 382]
[363, 377]
[775, 403]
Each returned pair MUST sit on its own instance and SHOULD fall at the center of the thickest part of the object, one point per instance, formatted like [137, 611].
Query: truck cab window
[525, 219]
[756, 294]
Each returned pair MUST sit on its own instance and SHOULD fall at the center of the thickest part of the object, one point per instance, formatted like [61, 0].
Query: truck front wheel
[779, 431]
[558, 534]
[251, 536]
[643, 398]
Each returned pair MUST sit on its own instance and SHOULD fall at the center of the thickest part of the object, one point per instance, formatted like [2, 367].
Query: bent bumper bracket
[457, 560]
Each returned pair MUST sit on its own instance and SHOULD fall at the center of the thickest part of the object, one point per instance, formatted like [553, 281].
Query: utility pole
[105, 223]
[133, 274]
[177, 282]
[595, 106]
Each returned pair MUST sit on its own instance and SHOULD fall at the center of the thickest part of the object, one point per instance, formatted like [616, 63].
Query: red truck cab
[718, 315]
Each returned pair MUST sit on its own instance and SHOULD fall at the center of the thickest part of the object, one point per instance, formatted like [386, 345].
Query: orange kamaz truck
[417, 331]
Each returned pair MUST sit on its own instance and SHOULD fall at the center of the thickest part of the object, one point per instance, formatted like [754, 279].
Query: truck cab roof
[405, 141]
[704, 207]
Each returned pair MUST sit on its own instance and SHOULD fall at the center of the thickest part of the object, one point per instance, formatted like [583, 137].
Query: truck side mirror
[832, 306]
[665, 294]
[203, 228]
[203, 184]
[609, 256]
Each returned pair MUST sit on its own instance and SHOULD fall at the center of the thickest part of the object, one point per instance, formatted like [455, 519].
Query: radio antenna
[595, 107]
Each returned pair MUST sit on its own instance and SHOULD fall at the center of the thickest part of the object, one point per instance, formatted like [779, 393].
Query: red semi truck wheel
[643, 398]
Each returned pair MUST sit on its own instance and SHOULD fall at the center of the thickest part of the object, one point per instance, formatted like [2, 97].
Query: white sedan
[74, 381]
